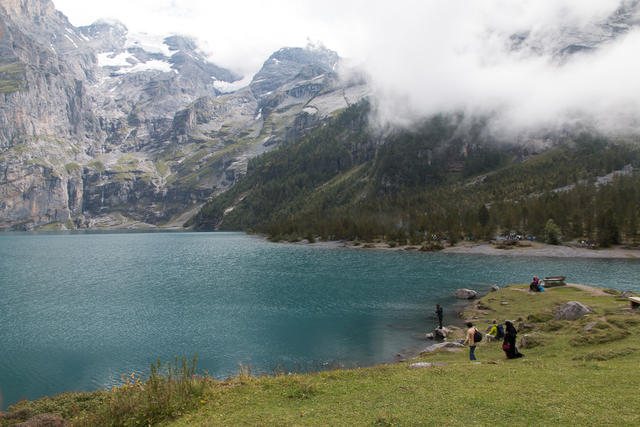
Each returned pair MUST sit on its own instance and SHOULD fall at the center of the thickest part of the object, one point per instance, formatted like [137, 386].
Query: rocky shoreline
[486, 248]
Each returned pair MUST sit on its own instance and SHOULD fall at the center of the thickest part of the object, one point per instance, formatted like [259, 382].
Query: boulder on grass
[572, 310]
[434, 347]
[494, 288]
[465, 294]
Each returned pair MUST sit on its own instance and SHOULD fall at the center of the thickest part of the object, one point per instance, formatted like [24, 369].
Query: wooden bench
[635, 302]
[552, 281]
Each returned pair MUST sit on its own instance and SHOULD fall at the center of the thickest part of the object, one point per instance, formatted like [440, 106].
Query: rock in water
[572, 310]
[494, 288]
[441, 333]
[465, 294]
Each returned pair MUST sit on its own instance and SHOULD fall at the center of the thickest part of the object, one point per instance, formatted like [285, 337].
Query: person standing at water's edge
[439, 314]
[471, 339]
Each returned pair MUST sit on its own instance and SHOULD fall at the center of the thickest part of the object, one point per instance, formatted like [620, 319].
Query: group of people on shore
[508, 333]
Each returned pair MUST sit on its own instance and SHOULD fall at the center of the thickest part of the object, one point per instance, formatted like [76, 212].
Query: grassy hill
[581, 372]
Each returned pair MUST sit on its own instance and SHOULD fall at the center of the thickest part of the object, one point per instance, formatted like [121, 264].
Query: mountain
[445, 177]
[100, 127]
[103, 128]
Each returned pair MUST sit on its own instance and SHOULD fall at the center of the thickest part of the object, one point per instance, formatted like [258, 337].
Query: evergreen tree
[552, 233]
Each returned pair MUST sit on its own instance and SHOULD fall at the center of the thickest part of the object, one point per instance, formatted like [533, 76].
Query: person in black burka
[509, 343]
[439, 314]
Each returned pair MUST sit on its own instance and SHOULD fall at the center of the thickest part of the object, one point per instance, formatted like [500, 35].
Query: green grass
[558, 382]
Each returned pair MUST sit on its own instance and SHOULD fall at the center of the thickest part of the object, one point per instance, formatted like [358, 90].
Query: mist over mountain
[525, 65]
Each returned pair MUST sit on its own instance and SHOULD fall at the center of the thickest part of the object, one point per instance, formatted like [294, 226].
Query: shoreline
[611, 314]
[534, 249]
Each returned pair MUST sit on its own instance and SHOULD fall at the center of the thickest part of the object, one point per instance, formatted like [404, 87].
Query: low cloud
[507, 61]
[502, 59]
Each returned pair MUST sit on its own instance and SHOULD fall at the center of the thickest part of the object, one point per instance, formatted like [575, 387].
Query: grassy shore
[582, 372]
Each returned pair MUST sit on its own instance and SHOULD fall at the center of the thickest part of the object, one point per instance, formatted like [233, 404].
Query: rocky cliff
[100, 127]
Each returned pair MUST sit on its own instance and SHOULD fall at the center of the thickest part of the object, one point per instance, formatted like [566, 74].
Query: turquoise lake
[78, 310]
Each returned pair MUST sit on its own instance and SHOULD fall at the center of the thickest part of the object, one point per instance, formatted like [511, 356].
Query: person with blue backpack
[500, 333]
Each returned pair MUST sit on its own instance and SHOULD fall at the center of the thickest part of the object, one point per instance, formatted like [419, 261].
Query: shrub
[624, 322]
[601, 333]
[606, 354]
[552, 233]
[552, 326]
[540, 317]
[534, 340]
[169, 391]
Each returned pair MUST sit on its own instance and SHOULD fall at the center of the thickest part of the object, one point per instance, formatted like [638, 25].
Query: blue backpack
[500, 331]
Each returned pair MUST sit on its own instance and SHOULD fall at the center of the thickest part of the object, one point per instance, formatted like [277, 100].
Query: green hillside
[445, 178]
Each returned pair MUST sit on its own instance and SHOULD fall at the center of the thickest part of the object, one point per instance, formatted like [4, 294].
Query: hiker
[509, 343]
[439, 314]
[535, 284]
[473, 337]
[493, 331]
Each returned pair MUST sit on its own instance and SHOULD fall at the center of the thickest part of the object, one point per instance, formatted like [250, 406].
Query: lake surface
[79, 310]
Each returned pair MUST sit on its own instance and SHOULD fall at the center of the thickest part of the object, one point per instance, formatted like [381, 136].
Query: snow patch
[149, 42]
[127, 63]
[71, 40]
[110, 59]
[226, 87]
[152, 65]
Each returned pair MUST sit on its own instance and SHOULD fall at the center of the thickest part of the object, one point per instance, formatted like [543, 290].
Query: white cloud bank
[426, 56]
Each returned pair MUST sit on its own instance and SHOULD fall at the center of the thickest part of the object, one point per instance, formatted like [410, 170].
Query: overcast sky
[424, 56]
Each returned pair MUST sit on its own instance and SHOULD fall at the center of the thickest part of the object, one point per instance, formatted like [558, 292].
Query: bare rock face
[465, 294]
[572, 310]
[98, 123]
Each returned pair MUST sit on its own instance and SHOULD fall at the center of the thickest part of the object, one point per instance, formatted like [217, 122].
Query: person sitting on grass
[493, 332]
[535, 284]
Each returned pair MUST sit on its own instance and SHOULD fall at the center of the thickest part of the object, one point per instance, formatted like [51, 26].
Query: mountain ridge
[104, 128]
